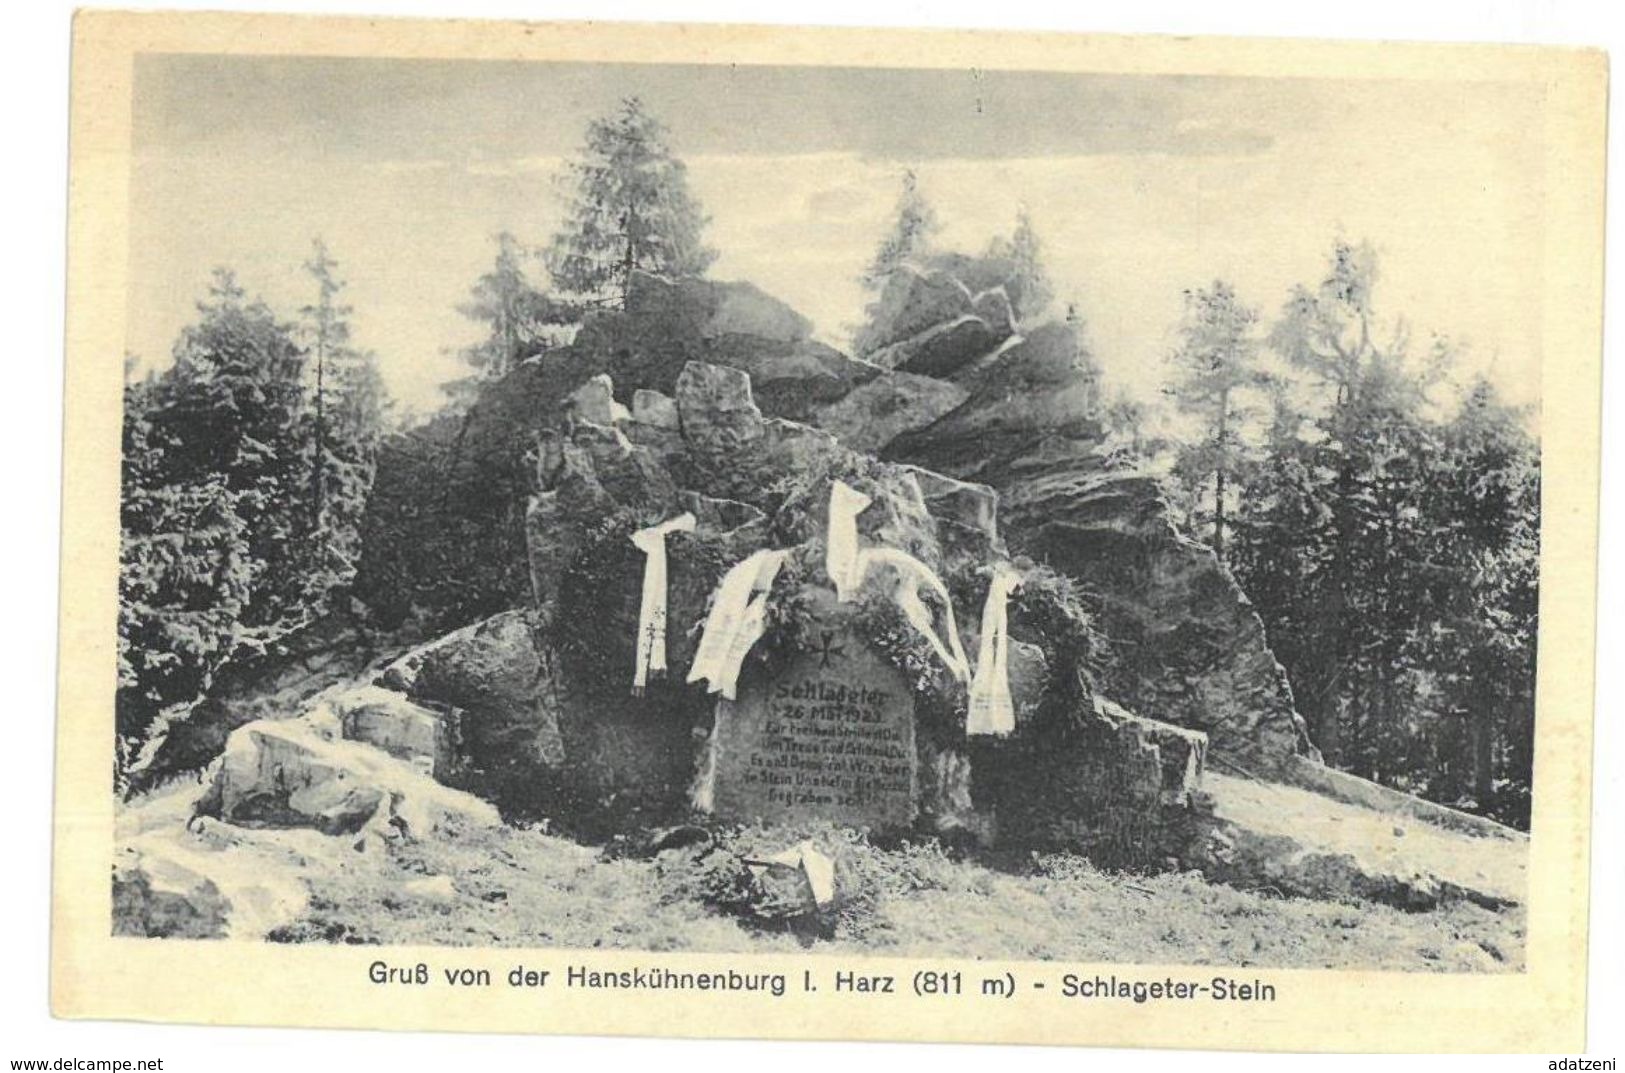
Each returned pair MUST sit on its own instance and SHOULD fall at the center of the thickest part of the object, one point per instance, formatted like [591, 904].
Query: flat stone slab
[1310, 845]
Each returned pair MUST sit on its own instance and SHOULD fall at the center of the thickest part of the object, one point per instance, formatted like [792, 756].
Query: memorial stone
[829, 735]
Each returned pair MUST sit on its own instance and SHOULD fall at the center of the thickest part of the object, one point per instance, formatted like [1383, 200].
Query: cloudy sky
[1139, 186]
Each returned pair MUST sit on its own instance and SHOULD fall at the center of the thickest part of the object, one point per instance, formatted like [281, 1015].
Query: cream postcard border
[95, 975]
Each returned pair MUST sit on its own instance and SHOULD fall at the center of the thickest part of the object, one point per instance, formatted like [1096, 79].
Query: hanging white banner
[848, 566]
[651, 646]
[736, 621]
[991, 709]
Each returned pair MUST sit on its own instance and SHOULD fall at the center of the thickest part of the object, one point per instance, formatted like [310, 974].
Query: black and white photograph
[731, 508]
[924, 514]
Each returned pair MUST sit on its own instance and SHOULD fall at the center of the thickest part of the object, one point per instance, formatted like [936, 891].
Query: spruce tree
[347, 407]
[630, 210]
[185, 573]
[910, 238]
[1484, 493]
[513, 311]
[216, 512]
[234, 404]
[1214, 368]
[1029, 281]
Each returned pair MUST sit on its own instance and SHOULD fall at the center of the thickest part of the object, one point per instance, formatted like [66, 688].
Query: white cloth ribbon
[991, 709]
[813, 864]
[912, 575]
[652, 612]
[848, 566]
[841, 557]
[737, 619]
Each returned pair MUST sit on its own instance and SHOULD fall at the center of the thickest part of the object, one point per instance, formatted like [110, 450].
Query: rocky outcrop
[544, 716]
[1188, 648]
[752, 481]
[669, 323]
[718, 390]
[996, 449]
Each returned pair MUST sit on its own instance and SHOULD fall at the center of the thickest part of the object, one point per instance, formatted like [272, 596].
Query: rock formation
[1136, 663]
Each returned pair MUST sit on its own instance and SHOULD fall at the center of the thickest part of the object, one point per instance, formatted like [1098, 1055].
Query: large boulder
[585, 478]
[654, 410]
[942, 350]
[966, 515]
[263, 682]
[594, 401]
[302, 773]
[721, 422]
[1042, 383]
[496, 676]
[912, 300]
[428, 739]
[985, 276]
[1123, 789]
[1188, 646]
[627, 752]
[733, 451]
[165, 888]
[937, 315]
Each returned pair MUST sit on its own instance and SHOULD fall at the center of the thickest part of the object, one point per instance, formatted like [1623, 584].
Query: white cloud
[1445, 199]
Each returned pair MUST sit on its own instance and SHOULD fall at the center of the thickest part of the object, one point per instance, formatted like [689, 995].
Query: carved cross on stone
[829, 651]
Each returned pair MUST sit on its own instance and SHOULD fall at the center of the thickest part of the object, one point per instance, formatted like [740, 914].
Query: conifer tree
[1392, 555]
[346, 418]
[517, 316]
[630, 210]
[910, 238]
[216, 513]
[1484, 493]
[185, 574]
[1214, 367]
[234, 403]
[1030, 283]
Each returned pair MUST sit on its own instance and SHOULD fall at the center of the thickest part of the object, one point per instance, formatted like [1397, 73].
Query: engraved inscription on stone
[830, 737]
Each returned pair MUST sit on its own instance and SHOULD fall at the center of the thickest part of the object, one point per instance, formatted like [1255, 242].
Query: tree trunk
[318, 481]
[1483, 757]
[1330, 732]
[629, 260]
[1219, 466]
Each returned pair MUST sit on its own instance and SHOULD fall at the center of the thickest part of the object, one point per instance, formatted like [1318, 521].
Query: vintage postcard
[805, 533]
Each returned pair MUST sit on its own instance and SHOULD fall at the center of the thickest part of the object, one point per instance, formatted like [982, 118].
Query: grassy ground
[518, 887]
